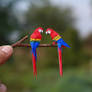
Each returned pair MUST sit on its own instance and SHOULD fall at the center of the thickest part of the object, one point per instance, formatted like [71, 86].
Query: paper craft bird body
[60, 43]
[35, 39]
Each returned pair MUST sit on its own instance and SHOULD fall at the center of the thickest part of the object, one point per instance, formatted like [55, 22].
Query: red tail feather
[34, 65]
[60, 61]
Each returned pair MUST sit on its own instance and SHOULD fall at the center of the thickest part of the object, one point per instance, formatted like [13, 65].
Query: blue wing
[61, 42]
[34, 45]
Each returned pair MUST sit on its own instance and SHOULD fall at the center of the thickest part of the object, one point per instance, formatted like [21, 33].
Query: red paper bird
[35, 39]
[60, 43]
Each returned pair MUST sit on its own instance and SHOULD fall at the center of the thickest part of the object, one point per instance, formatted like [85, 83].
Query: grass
[48, 80]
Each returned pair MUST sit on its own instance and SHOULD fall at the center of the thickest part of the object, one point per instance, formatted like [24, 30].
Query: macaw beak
[46, 32]
[42, 31]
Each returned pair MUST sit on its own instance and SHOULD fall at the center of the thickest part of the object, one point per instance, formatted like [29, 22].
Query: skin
[5, 54]
[3, 88]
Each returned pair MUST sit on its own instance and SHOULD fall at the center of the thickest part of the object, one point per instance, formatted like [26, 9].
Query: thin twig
[28, 45]
[20, 41]
[20, 44]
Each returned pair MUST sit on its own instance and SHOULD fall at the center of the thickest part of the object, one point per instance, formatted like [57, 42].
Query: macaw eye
[41, 31]
[49, 32]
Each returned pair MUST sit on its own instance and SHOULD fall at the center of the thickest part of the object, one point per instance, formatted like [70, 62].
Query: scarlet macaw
[35, 39]
[60, 43]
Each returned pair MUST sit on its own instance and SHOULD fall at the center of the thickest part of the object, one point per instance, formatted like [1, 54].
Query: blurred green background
[19, 18]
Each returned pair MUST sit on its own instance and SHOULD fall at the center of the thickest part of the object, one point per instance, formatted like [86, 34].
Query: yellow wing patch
[57, 38]
[35, 39]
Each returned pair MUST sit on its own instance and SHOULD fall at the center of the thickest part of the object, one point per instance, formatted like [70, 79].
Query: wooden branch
[20, 41]
[28, 45]
[20, 44]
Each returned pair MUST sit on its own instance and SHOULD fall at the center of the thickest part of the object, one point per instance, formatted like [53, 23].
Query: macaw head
[49, 31]
[39, 29]
[52, 33]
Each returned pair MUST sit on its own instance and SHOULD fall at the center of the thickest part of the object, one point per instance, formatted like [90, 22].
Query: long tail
[60, 61]
[34, 63]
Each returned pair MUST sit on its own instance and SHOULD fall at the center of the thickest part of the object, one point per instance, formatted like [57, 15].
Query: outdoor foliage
[17, 73]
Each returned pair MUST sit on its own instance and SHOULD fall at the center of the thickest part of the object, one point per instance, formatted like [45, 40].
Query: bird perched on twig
[60, 43]
[35, 39]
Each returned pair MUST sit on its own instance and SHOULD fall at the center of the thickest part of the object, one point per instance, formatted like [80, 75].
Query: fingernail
[5, 53]
[7, 49]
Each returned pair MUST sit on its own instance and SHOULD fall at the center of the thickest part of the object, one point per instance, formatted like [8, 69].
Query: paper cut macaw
[35, 39]
[60, 43]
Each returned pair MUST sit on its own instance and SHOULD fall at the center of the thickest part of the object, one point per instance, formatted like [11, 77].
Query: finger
[5, 53]
[3, 88]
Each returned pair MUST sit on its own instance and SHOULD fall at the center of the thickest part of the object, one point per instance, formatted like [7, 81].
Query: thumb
[5, 53]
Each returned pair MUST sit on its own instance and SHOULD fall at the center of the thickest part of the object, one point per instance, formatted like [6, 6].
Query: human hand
[5, 53]
[3, 88]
